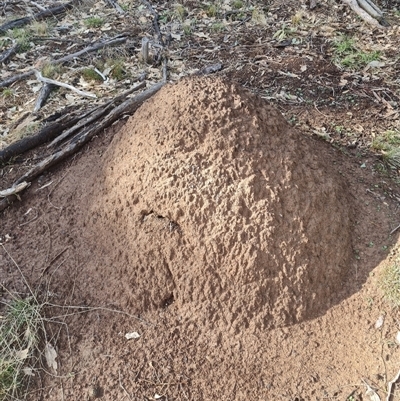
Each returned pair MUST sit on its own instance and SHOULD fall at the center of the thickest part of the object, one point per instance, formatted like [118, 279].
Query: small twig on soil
[155, 22]
[122, 386]
[97, 46]
[394, 230]
[86, 309]
[390, 392]
[41, 78]
[20, 272]
[50, 12]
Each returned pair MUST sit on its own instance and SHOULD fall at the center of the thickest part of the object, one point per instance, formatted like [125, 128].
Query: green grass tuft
[19, 335]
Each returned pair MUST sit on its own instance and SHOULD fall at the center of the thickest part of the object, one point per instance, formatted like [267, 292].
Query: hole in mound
[264, 223]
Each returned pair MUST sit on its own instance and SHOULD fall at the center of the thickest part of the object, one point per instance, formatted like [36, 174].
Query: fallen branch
[359, 9]
[43, 95]
[8, 53]
[97, 46]
[16, 78]
[127, 107]
[94, 115]
[14, 190]
[41, 78]
[155, 22]
[46, 134]
[50, 12]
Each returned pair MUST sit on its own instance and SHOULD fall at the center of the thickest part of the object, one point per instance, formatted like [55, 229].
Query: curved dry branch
[129, 106]
[368, 11]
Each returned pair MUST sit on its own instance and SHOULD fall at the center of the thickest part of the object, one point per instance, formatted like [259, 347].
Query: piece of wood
[43, 96]
[96, 46]
[353, 4]
[41, 78]
[50, 12]
[4, 56]
[95, 114]
[15, 78]
[129, 106]
[46, 134]
[155, 22]
[114, 3]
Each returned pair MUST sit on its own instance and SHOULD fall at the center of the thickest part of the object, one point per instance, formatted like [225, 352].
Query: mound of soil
[212, 204]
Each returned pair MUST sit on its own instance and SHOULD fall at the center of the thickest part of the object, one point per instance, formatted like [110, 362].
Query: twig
[121, 385]
[394, 230]
[50, 12]
[113, 3]
[20, 272]
[95, 114]
[15, 78]
[390, 394]
[127, 107]
[155, 22]
[97, 46]
[8, 53]
[41, 78]
[87, 309]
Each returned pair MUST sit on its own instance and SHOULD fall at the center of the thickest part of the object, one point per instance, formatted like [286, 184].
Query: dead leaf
[134, 335]
[28, 371]
[379, 322]
[23, 354]
[50, 355]
[371, 394]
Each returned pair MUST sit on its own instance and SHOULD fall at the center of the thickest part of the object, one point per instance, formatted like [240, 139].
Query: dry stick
[41, 78]
[391, 384]
[155, 21]
[97, 46]
[50, 12]
[96, 113]
[16, 78]
[353, 4]
[8, 53]
[43, 95]
[394, 230]
[127, 107]
[46, 134]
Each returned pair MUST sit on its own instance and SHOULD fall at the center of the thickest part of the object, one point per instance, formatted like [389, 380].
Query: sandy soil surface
[243, 253]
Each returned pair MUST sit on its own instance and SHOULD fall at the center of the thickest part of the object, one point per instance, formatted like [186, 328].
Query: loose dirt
[247, 252]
